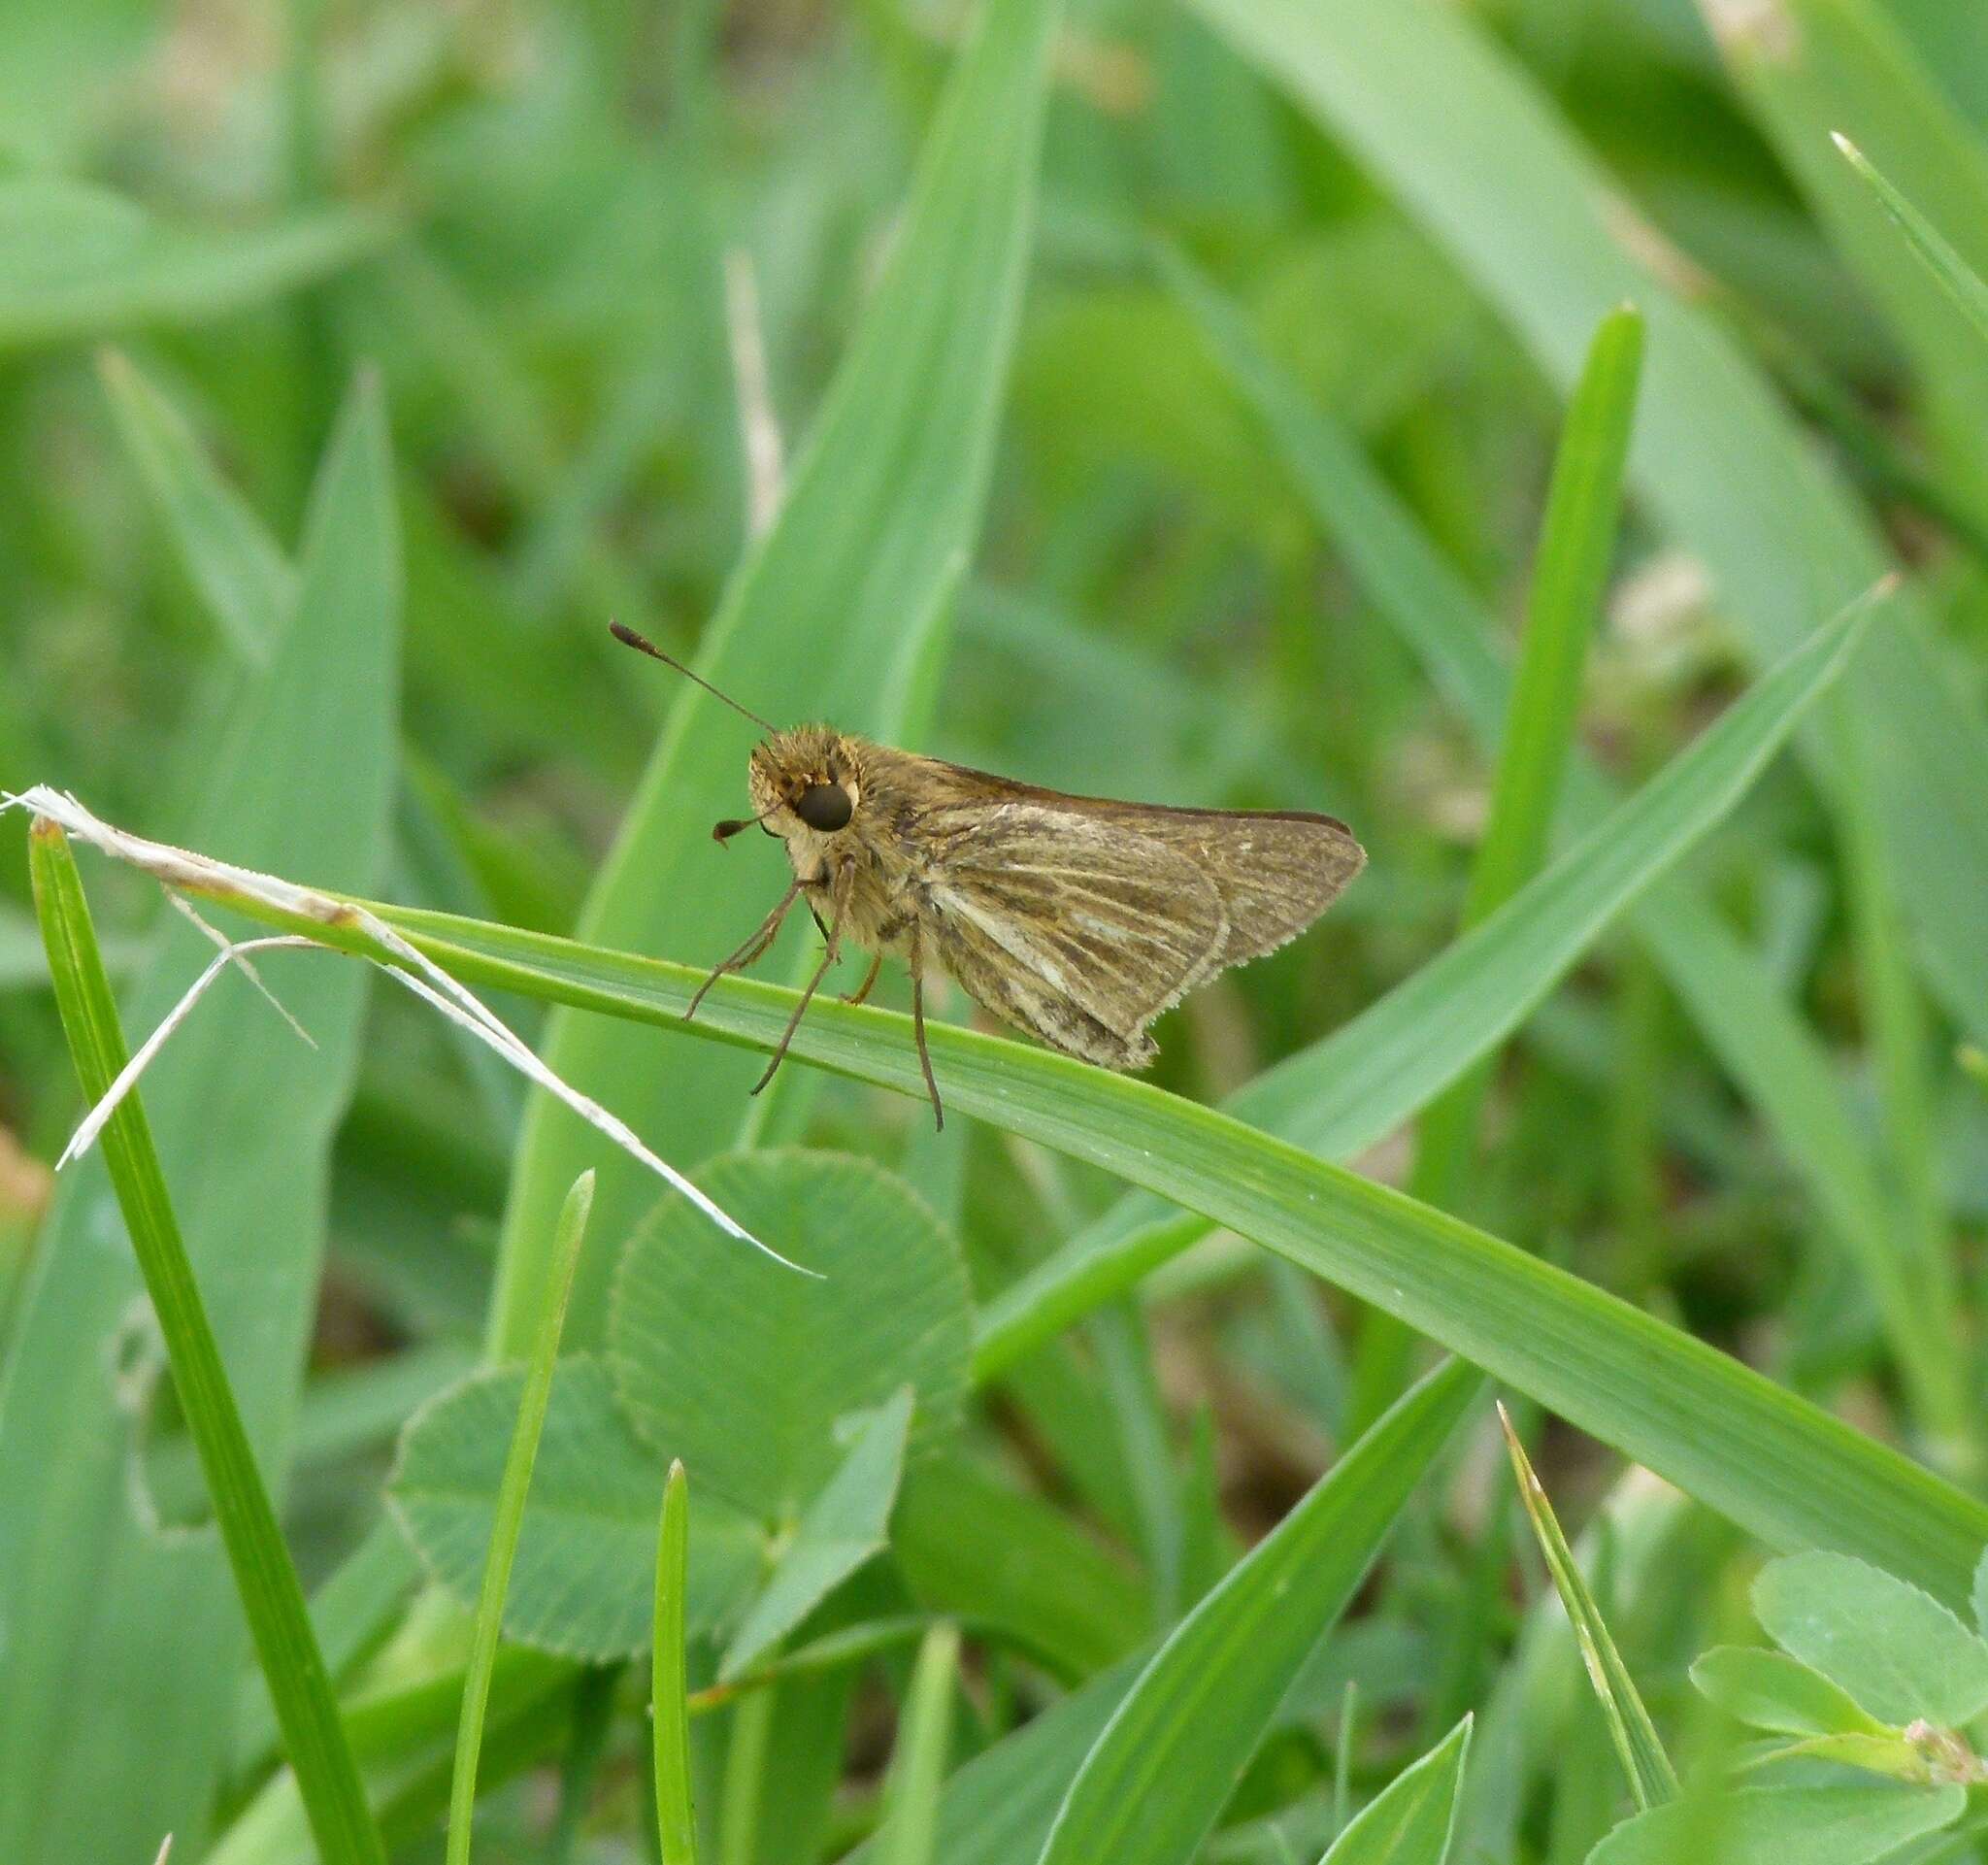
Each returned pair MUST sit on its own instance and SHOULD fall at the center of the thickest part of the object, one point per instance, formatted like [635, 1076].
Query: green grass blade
[78, 261]
[1956, 276]
[674, 1818]
[910, 1824]
[265, 1582]
[1443, 119]
[1577, 544]
[1154, 1786]
[1773, 1463]
[488, 1627]
[245, 580]
[302, 781]
[999, 1808]
[1651, 1778]
[1921, 1240]
[819, 622]
[350, 1614]
[1413, 1819]
[1348, 1091]
[1851, 70]
[1741, 1013]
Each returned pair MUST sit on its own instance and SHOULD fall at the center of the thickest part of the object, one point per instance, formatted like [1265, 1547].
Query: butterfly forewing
[1276, 874]
[1084, 919]
[1077, 929]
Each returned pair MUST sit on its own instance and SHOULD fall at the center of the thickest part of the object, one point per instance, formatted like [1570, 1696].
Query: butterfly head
[803, 786]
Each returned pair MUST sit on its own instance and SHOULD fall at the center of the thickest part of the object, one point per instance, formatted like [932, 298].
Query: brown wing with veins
[1081, 919]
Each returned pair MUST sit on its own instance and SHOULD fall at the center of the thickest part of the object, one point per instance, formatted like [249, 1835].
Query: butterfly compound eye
[825, 806]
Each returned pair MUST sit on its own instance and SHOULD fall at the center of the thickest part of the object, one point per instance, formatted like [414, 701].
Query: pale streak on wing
[1073, 927]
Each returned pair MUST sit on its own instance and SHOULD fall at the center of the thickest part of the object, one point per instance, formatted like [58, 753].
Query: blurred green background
[588, 271]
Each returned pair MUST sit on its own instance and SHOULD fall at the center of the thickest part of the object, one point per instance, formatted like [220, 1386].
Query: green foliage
[582, 1580]
[1899, 1653]
[512, 1491]
[81, 262]
[675, 1821]
[1496, 425]
[1874, 1676]
[1413, 1819]
[82, 1549]
[1652, 1780]
[748, 1371]
[846, 1524]
[272, 1598]
[1161, 1774]
[1845, 1825]
[1772, 1690]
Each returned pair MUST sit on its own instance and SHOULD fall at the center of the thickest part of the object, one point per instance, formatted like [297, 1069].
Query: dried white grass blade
[590, 1109]
[758, 424]
[177, 868]
[98, 1118]
[222, 942]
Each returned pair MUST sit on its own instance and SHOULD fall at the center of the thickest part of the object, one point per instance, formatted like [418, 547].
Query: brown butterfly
[1077, 919]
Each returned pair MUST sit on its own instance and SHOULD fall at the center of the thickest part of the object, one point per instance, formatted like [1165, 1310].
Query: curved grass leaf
[746, 1369]
[271, 1595]
[833, 615]
[1165, 1767]
[512, 1490]
[581, 1584]
[1961, 282]
[303, 782]
[1770, 1461]
[1413, 1820]
[1425, 99]
[1350, 1091]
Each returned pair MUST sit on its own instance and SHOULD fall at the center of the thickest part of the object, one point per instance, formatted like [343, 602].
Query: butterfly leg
[749, 951]
[831, 951]
[864, 989]
[918, 1027]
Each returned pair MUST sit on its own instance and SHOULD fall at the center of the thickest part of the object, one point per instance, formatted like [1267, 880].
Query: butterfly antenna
[641, 645]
